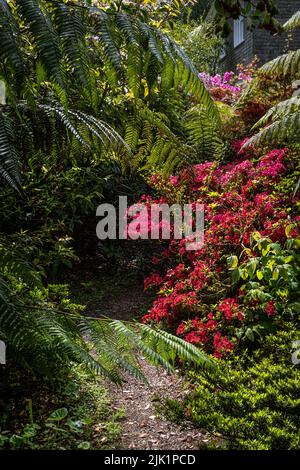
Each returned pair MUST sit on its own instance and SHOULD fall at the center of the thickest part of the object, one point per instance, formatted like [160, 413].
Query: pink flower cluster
[226, 87]
[219, 81]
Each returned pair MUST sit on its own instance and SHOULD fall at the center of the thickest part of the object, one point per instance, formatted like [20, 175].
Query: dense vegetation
[129, 98]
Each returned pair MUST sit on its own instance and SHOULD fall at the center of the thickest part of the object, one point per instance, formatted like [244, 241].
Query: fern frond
[44, 37]
[62, 115]
[186, 351]
[10, 43]
[9, 158]
[10, 262]
[134, 69]
[285, 129]
[112, 348]
[203, 132]
[132, 132]
[153, 43]
[293, 22]
[71, 30]
[288, 106]
[104, 28]
[129, 335]
[128, 27]
[100, 129]
[171, 155]
[284, 65]
[167, 75]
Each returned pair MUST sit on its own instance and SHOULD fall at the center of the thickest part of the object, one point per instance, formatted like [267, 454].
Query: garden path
[143, 426]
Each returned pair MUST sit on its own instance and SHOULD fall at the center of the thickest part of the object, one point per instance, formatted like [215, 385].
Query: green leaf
[232, 262]
[288, 229]
[249, 334]
[251, 266]
[266, 250]
[244, 274]
[235, 275]
[275, 275]
[58, 415]
[85, 445]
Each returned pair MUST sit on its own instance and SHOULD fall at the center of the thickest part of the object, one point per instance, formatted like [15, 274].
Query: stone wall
[260, 42]
[266, 46]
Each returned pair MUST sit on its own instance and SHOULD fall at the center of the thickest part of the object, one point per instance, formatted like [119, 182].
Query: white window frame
[238, 31]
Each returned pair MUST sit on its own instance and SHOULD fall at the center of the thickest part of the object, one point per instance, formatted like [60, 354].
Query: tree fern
[44, 37]
[9, 157]
[42, 337]
[65, 47]
[293, 22]
[284, 65]
[284, 129]
[57, 32]
[10, 39]
[203, 132]
[72, 31]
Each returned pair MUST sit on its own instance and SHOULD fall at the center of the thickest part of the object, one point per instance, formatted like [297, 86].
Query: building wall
[266, 46]
[261, 42]
[242, 53]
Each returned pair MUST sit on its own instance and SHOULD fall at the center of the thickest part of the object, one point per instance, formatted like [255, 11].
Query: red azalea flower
[270, 309]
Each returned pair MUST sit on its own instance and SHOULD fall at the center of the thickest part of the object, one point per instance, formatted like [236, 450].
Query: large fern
[54, 51]
[10, 39]
[93, 133]
[58, 31]
[44, 37]
[293, 22]
[203, 133]
[9, 157]
[284, 65]
[42, 337]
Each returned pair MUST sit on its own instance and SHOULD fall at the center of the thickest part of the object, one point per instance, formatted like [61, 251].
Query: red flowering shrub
[197, 298]
[152, 281]
[270, 308]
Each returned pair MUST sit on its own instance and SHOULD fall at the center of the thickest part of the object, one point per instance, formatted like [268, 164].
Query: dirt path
[143, 428]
